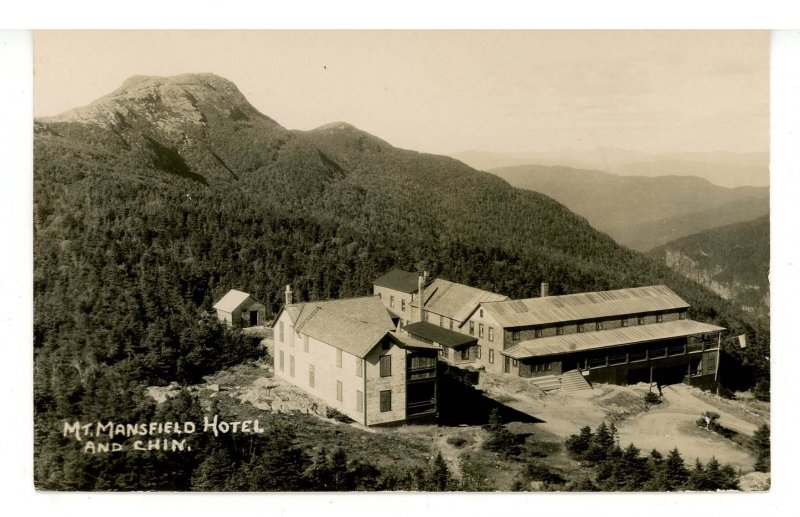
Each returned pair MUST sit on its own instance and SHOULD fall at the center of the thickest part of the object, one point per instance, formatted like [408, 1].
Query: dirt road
[672, 424]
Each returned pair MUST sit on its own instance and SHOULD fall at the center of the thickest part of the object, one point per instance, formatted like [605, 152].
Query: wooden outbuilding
[239, 309]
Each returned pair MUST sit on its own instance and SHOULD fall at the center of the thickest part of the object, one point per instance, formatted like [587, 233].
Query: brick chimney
[289, 300]
[545, 289]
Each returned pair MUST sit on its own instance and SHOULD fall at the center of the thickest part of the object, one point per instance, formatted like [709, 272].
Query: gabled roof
[607, 338]
[399, 280]
[455, 301]
[231, 301]
[439, 335]
[354, 325]
[583, 306]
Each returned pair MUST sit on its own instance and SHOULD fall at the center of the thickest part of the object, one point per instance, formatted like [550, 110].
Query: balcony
[653, 352]
[420, 407]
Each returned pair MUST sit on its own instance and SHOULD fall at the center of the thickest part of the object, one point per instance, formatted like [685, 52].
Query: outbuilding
[239, 309]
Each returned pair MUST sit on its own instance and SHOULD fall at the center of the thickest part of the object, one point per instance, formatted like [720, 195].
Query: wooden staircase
[574, 381]
[547, 382]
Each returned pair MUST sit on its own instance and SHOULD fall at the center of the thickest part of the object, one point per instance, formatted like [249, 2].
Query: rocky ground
[662, 426]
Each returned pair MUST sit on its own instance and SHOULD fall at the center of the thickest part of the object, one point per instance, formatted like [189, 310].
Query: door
[253, 318]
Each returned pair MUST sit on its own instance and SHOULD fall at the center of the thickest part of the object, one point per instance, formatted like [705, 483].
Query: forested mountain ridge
[152, 202]
[732, 261]
[655, 210]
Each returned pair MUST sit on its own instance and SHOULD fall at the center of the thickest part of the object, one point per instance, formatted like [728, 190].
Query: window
[560, 330]
[444, 352]
[291, 366]
[386, 366]
[579, 328]
[391, 301]
[305, 343]
[386, 401]
[451, 324]
[491, 333]
[281, 360]
[471, 328]
[623, 322]
[537, 333]
[548, 366]
[598, 325]
[359, 368]
[478, 352]
[339, 391]
[640, 320]
[682, 315]
[280, 332]
[441, 320]
[481, 313]
[465, 354]
[311, 375]
[359, 401]
[659, 318]
[515, 335]
[339, 357]
[491, 356]
[403, 305]
[380, 296]
[480, 330]
[427, 316]
[514, 363]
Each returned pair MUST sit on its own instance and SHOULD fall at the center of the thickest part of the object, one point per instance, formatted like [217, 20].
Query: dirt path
[673, 425]
[662, 427]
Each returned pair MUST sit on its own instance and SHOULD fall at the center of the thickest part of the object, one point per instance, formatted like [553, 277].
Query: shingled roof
[583, 306]
[568, 343]
[231, 301]
[399, 280]
[354, 325]
[455, 301]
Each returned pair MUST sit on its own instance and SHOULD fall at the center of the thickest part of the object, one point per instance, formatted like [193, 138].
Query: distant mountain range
[732, 261]
[725, 169]
[641, 212]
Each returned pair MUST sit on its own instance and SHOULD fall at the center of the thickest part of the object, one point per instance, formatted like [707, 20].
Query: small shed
[239, 309]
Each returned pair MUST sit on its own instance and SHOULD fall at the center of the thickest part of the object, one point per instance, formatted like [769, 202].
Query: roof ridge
[300, 324]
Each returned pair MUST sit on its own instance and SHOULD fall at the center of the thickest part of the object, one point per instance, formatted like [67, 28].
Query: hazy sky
[450, 91]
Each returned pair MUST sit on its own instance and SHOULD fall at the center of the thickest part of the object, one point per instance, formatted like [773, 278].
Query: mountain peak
[169, 102]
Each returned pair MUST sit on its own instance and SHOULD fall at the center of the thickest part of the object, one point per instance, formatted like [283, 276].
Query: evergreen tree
[214, 473]
[578, 444]
[440, 474]
[761, 444]
[676, 474]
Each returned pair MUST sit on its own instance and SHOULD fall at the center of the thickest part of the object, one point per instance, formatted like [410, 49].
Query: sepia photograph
[401, 261]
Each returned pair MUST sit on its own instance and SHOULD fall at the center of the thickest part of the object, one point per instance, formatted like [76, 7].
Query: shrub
[761, 391]
[335, 414]
[651, 398]
[457, 441]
